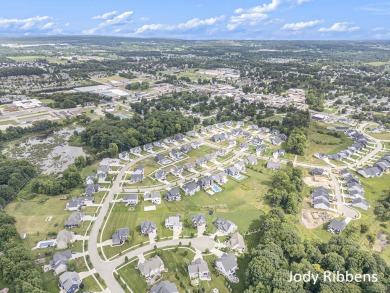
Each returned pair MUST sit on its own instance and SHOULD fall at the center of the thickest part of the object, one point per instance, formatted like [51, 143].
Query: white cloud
[340, 27]
[302, 1]
[252, 16]
[301, 25]
[39, 23]
[106, 15]
[190, 24]
[377, 29]
[143, 18]
[117, 20]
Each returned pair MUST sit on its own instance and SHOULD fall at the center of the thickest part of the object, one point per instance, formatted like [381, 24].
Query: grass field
[32, 58]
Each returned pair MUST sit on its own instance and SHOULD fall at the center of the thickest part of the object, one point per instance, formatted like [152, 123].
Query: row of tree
[286, 189]
[115, 135]
[14, 175]
[17, 266]
[281, 251]
[71, 100]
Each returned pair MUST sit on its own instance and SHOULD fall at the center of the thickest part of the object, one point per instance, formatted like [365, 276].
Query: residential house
[360, 203]
[227, 265]
[205, 182]
[244, 146]
[218, 138]
[164, 287]
[190, 166]
[250, 160]
[175, 154]
[225, 227]
[130, 199]
[282, 136]
[90, 189]
[192, 133]
[274, 164]
[199, 269]
[256, 142]
[138, 175]
[69, 282]
[260, 149]
[173, 195]
[236, 242]
[161, 159]
[148, 147]
[198, 219]
[74, 204]
[154, 197]
[177, 170]
[275, 132]
[124, 156]
[120, 236]
[247, 135]
[135, 151]
[63, 238]
[211, 157]
[60, 261]
[222, 152]
[186, 148]
[279, 153]
[276, 141]
[195, 145]
[75, 219]
[148, 227]
[232, 171]
[240, 166]
[151, 267]
[202, 162]
[370, 172]
[173, 223]
[220, 178]
[336, 226]
[232, 143]
[180, 136]
[239, 123]
[160, 175]
[191, 188]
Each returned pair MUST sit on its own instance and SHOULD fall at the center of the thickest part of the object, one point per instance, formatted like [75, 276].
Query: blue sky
[201, 19]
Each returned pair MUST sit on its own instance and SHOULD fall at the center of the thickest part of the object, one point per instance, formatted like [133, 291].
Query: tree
[296, 142]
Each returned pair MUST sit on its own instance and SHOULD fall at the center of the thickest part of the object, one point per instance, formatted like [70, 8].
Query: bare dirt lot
[311, 218]
[311, 182]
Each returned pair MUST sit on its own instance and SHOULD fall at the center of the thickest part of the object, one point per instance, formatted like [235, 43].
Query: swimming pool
[45, 244]
[216, 188]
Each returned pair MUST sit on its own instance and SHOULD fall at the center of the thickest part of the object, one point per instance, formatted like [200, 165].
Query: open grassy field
[32, 58]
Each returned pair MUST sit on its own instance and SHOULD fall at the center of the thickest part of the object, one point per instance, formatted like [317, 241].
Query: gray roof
[129, 197]
[223, 225]
[337, 225]
[360, 201]
[148, 226]
[160, 174]
[69, 279]
[61, 258]
[236, 239]
[120, 235]
[63, 237]
[198, 219]
[198, 266]
[150, 265]
[164, 287]
[274, 164]
[75, 219]
[152, 195]
[190, 186]
[228, 261]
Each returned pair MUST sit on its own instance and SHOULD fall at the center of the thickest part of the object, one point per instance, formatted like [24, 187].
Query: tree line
[281, 250]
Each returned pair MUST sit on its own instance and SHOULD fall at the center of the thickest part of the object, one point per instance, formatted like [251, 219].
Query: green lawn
[90, 285]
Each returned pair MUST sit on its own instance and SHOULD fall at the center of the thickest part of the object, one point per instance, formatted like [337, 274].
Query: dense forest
[66, 101]
[281, 250]
[110, 133]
